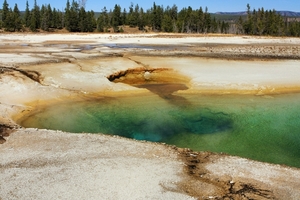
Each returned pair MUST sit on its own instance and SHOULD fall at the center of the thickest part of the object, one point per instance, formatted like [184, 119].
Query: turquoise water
[261, 128]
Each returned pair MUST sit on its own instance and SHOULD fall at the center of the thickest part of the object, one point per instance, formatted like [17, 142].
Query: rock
[147, 75]
[2, 140]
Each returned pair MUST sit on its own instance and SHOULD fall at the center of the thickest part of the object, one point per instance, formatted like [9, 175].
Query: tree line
[269, 22]
[75, 18]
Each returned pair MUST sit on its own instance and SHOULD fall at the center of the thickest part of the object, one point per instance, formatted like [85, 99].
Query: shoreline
[49, 68]
[175, 172]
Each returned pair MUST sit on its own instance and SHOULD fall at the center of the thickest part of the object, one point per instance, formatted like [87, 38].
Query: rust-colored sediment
[144, 75]
[203, 184]
[5, 131]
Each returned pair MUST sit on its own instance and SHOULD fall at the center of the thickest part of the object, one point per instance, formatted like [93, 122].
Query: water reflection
[166, 90]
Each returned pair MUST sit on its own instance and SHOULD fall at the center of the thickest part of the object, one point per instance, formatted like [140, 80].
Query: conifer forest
[74, 18]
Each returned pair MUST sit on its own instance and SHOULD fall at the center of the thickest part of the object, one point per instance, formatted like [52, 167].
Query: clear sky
[212, 5]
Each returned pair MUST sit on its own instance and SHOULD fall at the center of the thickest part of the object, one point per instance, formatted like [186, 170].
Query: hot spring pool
[261, 128]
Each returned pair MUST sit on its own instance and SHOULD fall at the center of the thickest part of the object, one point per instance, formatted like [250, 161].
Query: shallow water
[260, 128]
[149, 47]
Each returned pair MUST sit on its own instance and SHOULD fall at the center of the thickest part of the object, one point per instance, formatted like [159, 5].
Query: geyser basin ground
[72, 68]
[260, 128]
[202, 104]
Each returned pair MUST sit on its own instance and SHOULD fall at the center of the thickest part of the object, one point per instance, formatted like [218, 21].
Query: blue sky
[213, 5]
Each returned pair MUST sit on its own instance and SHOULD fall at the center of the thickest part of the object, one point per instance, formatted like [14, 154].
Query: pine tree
[181, 20]
[91, 21]
[279, 21]
[248, 25]
[44, 20]
[116, 18]
[17, 21]
[55, 18]
[157, 15]
[200, 21]
[167, 25]
[141, 22]
[224, 27]
[214, 25]
[174, 16]
[207, 21]
[67, 16]
[27, 15]
[260, 21]
[193, 21]
[35, 17]
[72, 16]
[188, 19]
[131, 20]
[136, 14]
[32, 26]
[82, 20]
[124, 17]
[9, 21]
[103, 21]
[37, 14]
[46, 14]
[82, 17]
[50, 15]
[5, 14]
[59, 19]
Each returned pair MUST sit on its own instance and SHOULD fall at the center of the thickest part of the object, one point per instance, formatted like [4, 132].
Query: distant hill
[231, 13]
[283, 13]
[289, 13]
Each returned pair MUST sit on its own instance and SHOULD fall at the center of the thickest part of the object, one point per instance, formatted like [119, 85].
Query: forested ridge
[74, 18]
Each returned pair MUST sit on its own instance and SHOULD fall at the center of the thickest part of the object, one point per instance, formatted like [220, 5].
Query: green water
[260, 128]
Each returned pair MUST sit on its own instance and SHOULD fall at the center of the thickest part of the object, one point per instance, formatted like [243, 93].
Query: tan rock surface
[38, 69]
[40, 164]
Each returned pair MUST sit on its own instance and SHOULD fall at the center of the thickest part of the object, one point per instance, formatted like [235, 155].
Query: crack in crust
[33, 75]
[220, 187]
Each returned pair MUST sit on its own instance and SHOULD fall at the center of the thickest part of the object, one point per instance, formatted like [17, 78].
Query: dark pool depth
[260, 128]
